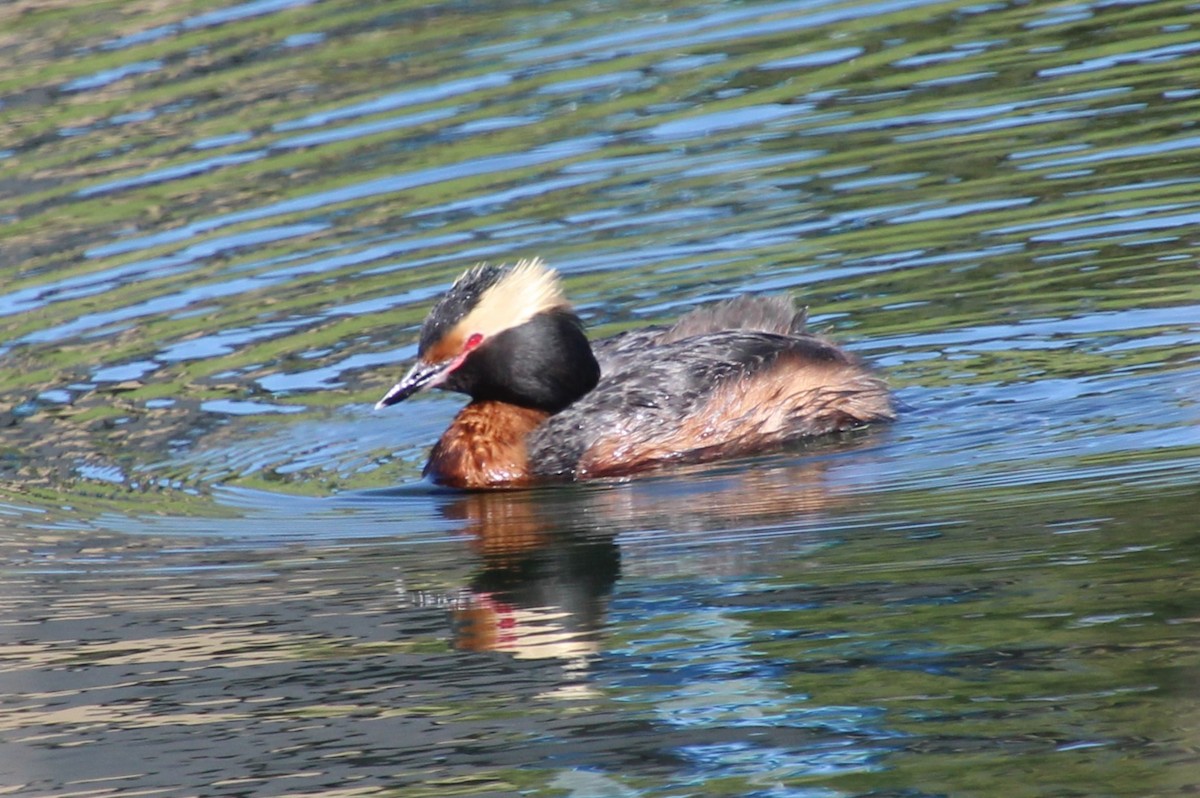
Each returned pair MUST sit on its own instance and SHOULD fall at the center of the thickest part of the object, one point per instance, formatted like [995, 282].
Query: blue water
[222, 574]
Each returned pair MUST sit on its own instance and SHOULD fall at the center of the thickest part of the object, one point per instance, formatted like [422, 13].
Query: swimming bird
[729, 379]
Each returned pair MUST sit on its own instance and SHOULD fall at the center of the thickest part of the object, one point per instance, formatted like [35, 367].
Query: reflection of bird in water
[545, 602]
[549, 558]
[547, 572]
[726, 380]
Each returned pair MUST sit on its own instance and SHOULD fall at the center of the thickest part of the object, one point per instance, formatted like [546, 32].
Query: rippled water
[222, 225]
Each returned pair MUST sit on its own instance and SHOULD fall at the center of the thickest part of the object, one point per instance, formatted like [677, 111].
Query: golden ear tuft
[527, 289]
[532, 286]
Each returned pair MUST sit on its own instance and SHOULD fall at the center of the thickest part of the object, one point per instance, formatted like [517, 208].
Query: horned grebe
[729, 379]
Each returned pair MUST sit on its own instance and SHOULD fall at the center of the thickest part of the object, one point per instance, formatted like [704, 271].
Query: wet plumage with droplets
[726, 380]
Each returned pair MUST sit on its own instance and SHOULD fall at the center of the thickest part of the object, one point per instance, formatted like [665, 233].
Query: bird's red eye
[475, 340]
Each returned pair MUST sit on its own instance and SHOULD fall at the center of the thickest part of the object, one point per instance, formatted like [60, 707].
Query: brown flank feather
[794, 399]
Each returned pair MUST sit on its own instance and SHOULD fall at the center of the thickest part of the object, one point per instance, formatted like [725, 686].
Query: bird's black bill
[419, 377]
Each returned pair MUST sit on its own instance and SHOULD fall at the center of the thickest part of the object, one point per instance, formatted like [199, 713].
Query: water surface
[223, 224]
